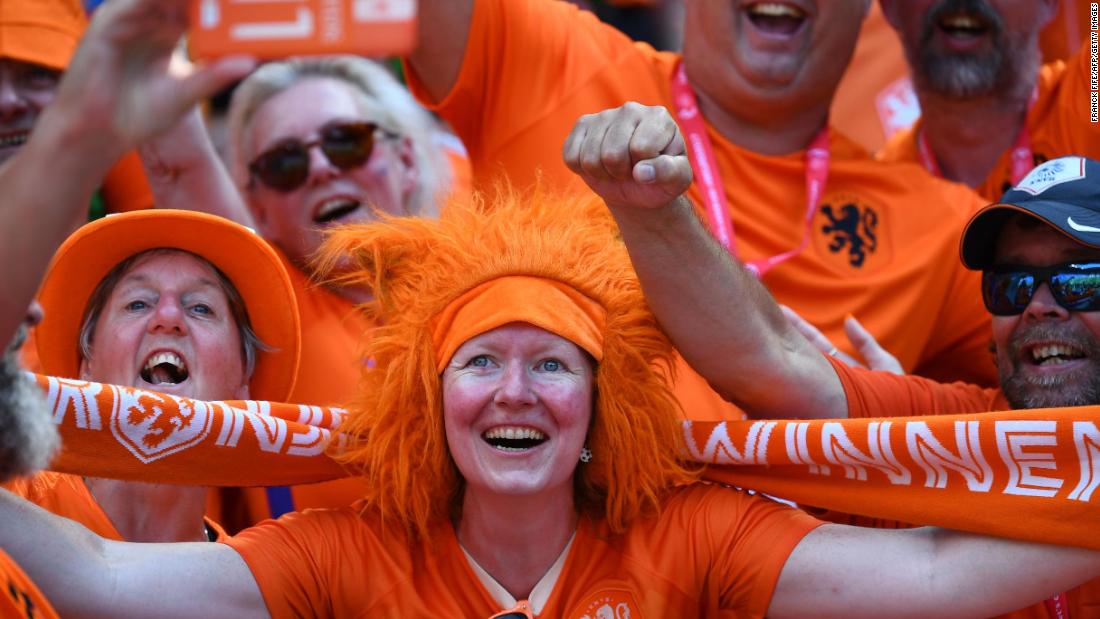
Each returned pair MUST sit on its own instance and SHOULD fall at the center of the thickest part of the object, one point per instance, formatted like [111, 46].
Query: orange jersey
[875, 98]
[711, 549]
[1058, 124]
[883, 245]
[125, 188]
[875, 394]
[333, 333]
[19, 598]
[68, 496]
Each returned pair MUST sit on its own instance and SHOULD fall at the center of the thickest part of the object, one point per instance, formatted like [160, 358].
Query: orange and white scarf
[1026, 474]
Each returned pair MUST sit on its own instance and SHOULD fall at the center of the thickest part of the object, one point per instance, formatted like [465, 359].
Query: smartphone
[272, 29]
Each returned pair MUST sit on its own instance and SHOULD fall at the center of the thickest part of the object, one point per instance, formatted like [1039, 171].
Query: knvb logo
[853, 229]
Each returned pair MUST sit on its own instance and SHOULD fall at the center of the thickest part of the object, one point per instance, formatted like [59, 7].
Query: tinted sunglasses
[285, 166]
[1007, 291]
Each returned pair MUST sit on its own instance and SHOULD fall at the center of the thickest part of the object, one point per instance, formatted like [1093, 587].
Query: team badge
[850, 234]
[152, 427]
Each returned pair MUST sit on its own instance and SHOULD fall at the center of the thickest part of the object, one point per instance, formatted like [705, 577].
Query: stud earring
[586, 454]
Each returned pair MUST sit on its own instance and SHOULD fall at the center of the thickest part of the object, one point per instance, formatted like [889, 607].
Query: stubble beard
[1079, 387]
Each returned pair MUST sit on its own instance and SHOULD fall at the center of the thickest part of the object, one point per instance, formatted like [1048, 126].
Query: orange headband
[545, 303]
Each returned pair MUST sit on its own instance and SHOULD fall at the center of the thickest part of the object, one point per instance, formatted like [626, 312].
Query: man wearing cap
[177, 302]
[1038, 250]
[989, 110]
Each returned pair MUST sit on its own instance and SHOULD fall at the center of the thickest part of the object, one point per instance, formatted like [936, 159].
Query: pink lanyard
[1021, 158]
[707, 174]
[1058, 607]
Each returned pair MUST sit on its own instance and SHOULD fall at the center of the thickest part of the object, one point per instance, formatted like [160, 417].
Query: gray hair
[400, 114]
[28, 436]
[250, 342]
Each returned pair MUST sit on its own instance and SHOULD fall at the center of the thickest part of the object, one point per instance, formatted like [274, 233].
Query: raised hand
[631, 156]
[123, 86]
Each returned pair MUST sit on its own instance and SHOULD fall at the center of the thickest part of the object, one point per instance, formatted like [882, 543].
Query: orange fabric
[68, 496]
[331, 362]
[875, 98]
[711, 549]
[125, 187]
[956, 471]
[247, 260]
[1064, 35]
[43, 32]
[532, 68]
[19, 598]
[545, 303]
[1058, 124]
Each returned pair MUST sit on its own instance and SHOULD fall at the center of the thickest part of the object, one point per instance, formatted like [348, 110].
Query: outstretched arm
[84, 575]
[720, 318]
[853, 572]
[117, 92]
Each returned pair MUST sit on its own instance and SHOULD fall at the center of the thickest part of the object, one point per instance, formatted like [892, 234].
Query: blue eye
[552, 365]
[134, 306]
[202, 308]
[479, 361]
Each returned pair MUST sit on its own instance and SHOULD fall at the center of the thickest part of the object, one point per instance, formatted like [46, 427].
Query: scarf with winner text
[1025, 474]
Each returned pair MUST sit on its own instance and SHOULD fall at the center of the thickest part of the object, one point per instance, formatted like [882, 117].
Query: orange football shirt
[19, 598]
[1058, 124]
[883, 244]
[712, 549]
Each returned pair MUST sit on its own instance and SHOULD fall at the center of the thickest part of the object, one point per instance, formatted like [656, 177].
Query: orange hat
[248, 261]
[43, 32]
[554, 262]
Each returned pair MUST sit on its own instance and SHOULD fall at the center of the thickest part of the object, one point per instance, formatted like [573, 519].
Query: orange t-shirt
[68, 496]
[1058, 124]
[711, 549]
[333, 334]
[19, 598]
[878, 394]
[875, 98]
[883, 245]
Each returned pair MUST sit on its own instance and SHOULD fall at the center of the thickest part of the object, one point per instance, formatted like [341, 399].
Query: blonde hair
[400, 114]
[416, 267]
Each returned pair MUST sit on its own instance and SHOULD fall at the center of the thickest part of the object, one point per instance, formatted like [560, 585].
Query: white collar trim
[540, 594]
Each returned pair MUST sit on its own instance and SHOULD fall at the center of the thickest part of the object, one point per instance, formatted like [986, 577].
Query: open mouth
[963, 26]
[13, 139]
[335, 209]
[514, 439]
[775, 17]
[164, 368]
[1054, 354]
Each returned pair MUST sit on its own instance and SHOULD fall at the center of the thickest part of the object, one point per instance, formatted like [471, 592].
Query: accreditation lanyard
[1057, 607]
[1021, 160]
[705, 167]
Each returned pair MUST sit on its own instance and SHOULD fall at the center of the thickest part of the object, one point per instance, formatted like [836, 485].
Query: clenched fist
[631, 156]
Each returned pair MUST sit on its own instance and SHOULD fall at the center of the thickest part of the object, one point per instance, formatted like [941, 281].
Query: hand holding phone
[280, 28]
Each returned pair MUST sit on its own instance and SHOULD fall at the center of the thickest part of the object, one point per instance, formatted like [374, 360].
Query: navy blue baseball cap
[1063, 192]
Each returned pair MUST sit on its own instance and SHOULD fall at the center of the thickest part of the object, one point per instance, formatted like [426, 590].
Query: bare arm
[186, 173]
[116, 93]
[852, 572]
[724, 323]
[84, 575]
[444, 27]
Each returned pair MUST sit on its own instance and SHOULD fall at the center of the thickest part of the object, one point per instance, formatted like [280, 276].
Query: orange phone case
[280, 28]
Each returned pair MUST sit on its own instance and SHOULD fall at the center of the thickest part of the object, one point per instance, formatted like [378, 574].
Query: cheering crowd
[501, 355]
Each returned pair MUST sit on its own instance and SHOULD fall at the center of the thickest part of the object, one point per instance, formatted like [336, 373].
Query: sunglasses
[285, 166]
[1007, 290]
[521, 611]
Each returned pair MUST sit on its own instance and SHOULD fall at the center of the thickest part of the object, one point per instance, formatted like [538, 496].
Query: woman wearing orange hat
[177, 302]
[521, 448]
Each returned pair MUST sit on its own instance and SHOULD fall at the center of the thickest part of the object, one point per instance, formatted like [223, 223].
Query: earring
[586, 454]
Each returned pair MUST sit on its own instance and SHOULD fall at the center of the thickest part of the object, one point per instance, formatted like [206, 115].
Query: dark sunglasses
[285, 166]
[1007, 290]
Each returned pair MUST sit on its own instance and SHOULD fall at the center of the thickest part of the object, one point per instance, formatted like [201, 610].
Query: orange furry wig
[418, 267]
